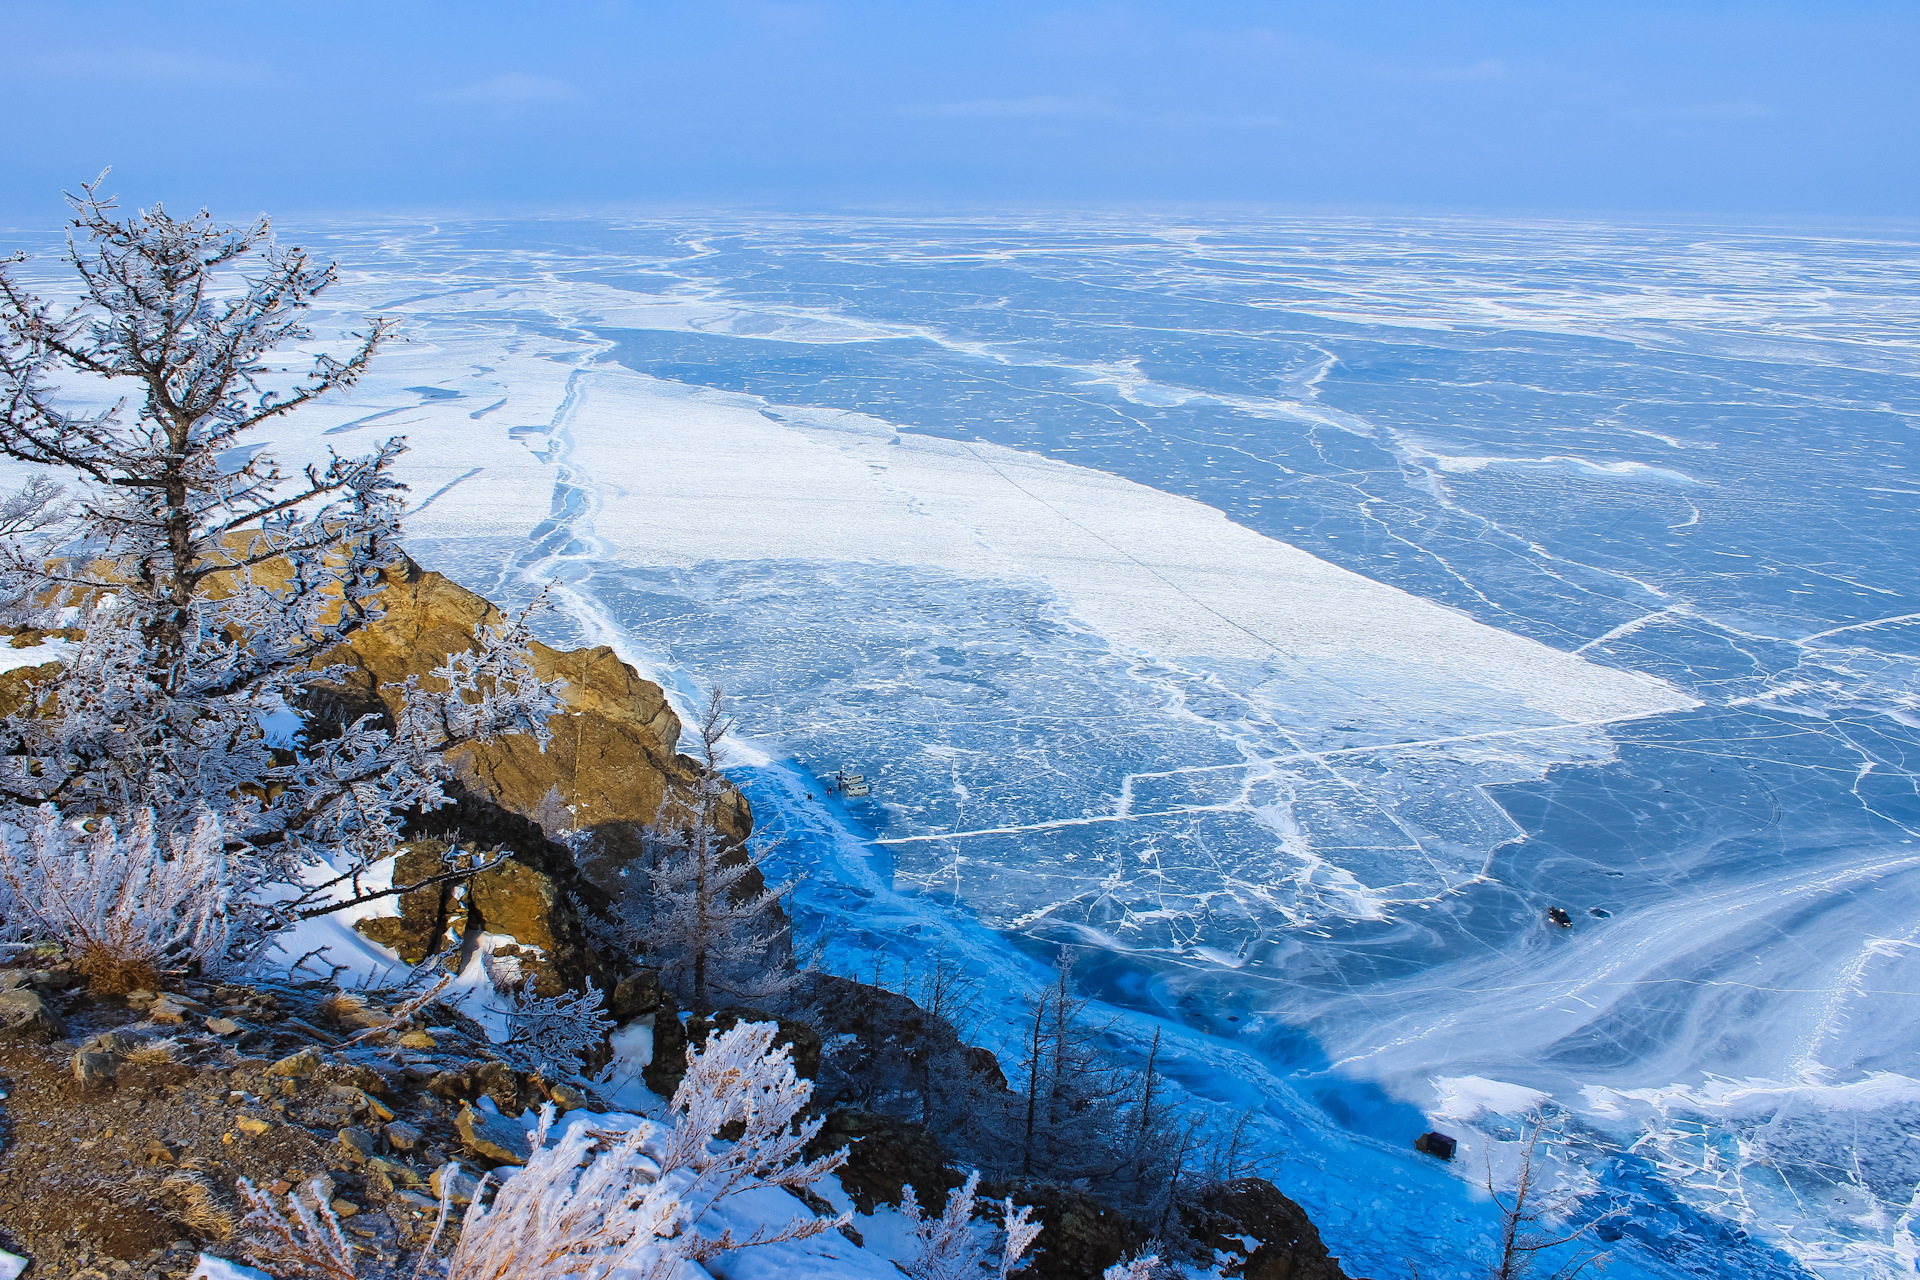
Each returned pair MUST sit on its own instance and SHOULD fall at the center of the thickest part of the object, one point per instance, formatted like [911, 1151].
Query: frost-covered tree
[212, 582]
[946, 1247]
[595, 1203]
[1072, 1122]
[706, 915]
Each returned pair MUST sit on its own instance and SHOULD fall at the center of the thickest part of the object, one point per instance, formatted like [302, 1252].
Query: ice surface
[1285, 614]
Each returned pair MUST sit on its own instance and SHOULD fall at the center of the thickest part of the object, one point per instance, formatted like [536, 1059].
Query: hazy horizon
[1641, 111]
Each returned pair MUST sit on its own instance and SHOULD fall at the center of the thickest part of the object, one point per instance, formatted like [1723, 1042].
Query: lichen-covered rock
[1080, 1237]
[1289, 1248]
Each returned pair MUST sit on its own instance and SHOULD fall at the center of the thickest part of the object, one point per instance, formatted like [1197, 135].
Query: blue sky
[1674, 107]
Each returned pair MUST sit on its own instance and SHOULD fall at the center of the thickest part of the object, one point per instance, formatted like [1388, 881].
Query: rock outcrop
[1289, 1248]
[884, 1156]
[611, 760]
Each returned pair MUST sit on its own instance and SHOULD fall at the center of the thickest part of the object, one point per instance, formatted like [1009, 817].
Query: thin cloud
[513, 89]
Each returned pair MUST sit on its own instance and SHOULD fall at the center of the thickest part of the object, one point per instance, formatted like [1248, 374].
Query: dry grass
[112, 974]
[156, 1051]
[341, 1005]
[199, 1207]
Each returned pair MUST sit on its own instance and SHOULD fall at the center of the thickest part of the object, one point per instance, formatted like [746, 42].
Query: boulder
[420, 930]
[1081, 1237]
[668, 1066]
[636, 995]
[452, 1183]
[356, 1145]
[25, 1016]
[883, 1156]
[1289, 1248]
[94, 1069]
[303, 1063]
[402, 1136]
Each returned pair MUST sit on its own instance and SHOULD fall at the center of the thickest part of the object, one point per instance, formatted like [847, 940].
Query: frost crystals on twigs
[211, 584]
[550, 1034]
[309, 1244]
[633, 1209]
[946, 1246]
[126, 905]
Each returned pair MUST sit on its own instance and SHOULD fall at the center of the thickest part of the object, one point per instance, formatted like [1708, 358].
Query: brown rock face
[571, 815]
[612, 757]
[420, 930]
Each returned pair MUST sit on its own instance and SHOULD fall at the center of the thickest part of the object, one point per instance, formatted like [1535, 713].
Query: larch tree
[1536, 1236]
[210, 581]
[708, 917]
[1073, 1123]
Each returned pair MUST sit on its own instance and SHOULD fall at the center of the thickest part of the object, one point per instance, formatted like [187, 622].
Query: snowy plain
[1281, 615]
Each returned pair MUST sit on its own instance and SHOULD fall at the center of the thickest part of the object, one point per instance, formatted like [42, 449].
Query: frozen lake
[1284, 614]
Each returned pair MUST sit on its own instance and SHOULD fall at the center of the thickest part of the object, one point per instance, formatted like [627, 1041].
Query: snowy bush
[636, 1202]
[550, 1034]
[214, 583]
[597, 1203]
[946, 1248]
[124, 904]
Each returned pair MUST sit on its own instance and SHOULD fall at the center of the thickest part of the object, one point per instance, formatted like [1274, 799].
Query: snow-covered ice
[1284, 613]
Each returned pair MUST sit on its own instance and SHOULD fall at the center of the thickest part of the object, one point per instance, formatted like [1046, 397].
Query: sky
[1673, 107]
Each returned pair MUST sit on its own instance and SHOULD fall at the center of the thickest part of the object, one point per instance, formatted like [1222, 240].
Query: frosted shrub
[123, 904]
[550, 1034]
[635, 1203]
[1145, 1267]
[595, 1203]
[308, 1244]
[947, 1249]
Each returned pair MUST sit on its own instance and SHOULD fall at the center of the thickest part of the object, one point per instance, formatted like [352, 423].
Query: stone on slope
[25, 1016]
[497, 1138]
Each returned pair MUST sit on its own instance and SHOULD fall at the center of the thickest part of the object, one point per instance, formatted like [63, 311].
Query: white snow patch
[212, 1268]
[1470, 1097]
[50, 650]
